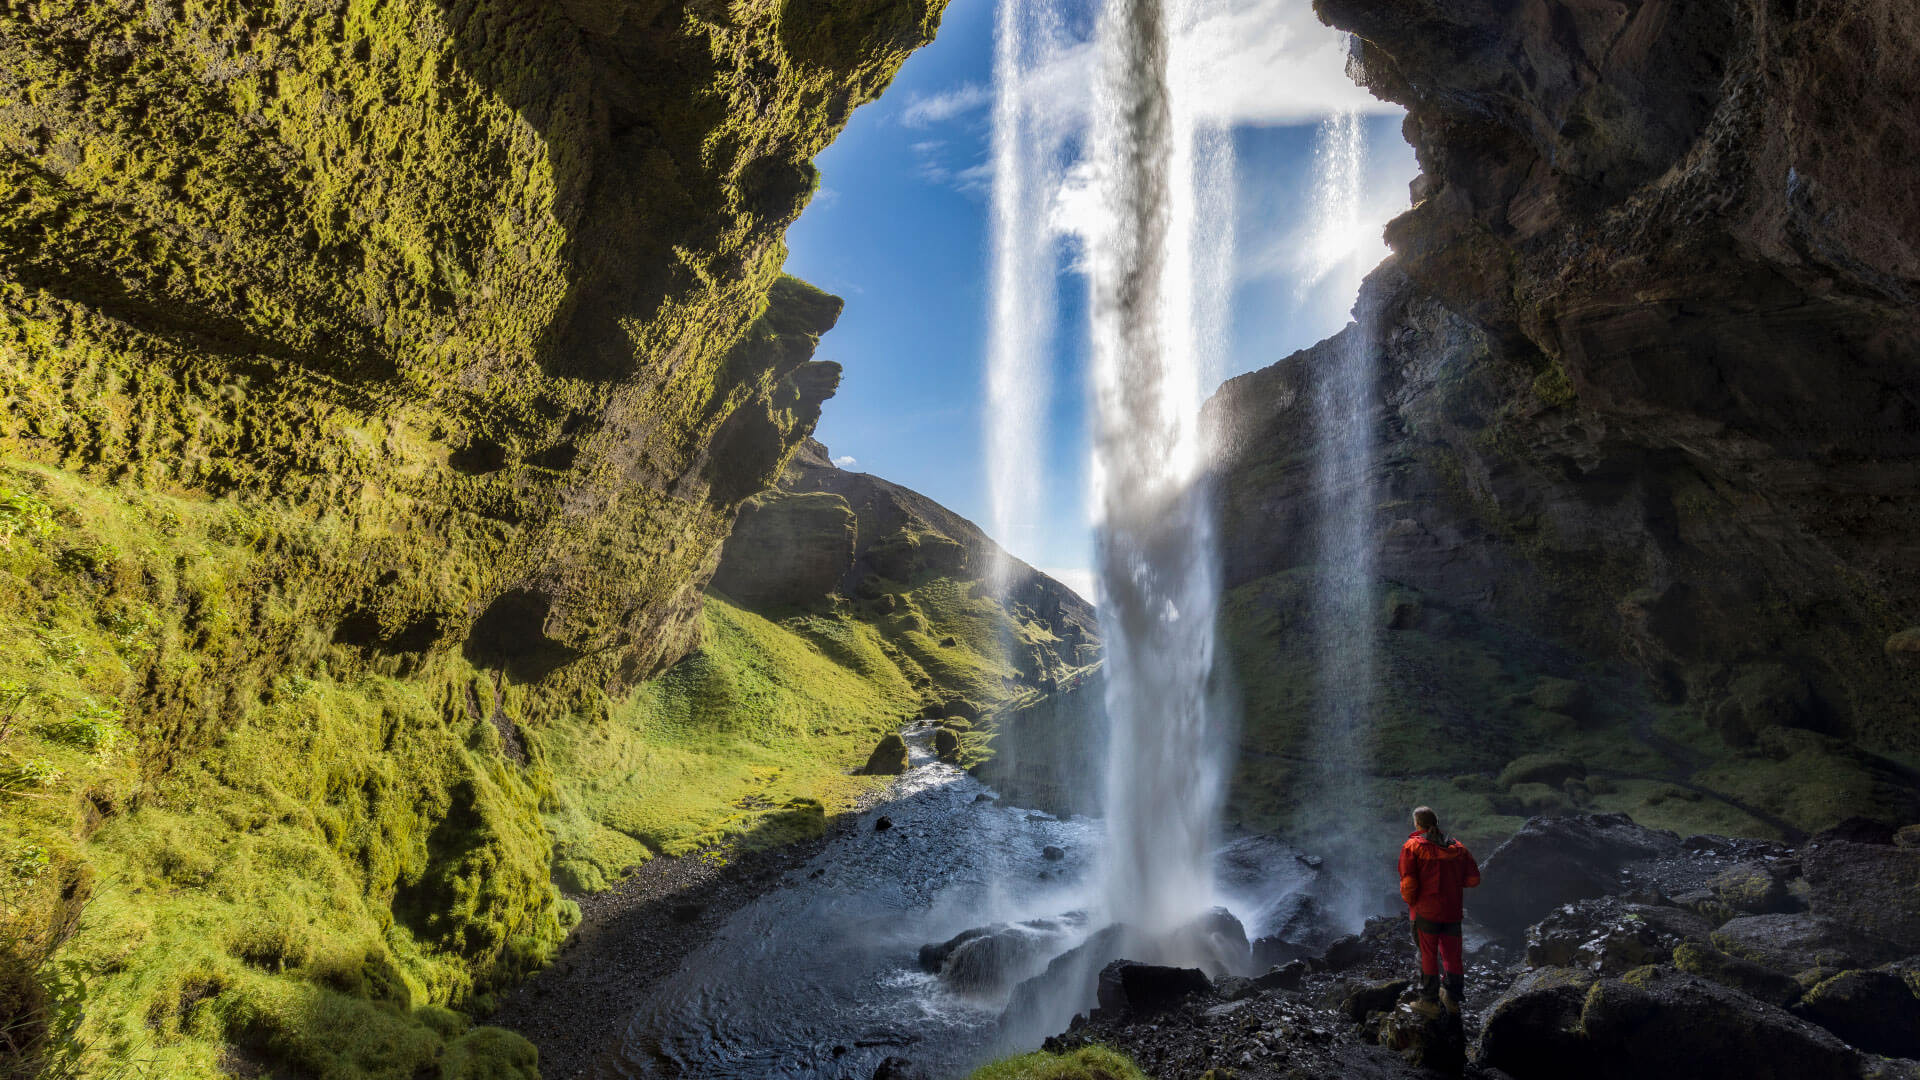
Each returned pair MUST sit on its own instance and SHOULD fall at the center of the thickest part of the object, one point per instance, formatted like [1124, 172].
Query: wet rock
[1794, 943]
[1130, 988]
[1555, 861]
[1219, 936]
[1755, 888]
[991, 958]
[1874, 888]
[1052, 853]
[1652, 1022]
[1297, 919]
[1874, 1010]
[1429, 1040]
[1288, 976]
[983, 797]
[1609, 936]
[1072, 977]
[1272, 951]
[882, 823]
[899, 1068]
[1345, 952]
[1529, 1029]
[1745, 976]
[889, 758]
[946, 744]
[1364, 1001]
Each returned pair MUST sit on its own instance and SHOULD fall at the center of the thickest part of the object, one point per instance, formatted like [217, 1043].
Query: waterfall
[1344, 612]
[1156, 557]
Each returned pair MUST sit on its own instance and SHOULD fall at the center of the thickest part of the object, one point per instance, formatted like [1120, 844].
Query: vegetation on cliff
[380, 381]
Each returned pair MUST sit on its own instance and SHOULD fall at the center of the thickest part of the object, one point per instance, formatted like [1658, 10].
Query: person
[1434, 870]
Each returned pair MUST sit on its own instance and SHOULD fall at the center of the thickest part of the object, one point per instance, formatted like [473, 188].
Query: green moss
[1086, 1063]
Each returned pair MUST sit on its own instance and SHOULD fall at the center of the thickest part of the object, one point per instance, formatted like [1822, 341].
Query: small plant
[60, 649]
[27, 862]
[23, 515]
[132, 631]
[94, 727]
[31, 773]
[14, 696]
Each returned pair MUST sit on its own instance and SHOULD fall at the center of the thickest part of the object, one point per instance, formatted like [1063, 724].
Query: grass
[1086, 1063]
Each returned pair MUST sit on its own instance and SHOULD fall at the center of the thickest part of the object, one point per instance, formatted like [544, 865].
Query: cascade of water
[1155, 531]
[1344, 604]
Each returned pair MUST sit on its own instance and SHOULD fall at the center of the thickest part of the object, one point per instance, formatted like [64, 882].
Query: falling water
[1345, 594]
[1156, 544]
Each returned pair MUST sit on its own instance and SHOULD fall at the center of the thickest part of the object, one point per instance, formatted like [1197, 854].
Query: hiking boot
[1427, 1010]
[1453, 995]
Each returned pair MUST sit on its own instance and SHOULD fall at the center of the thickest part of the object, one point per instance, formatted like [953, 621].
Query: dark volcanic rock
[1530, 1030]
[1555, 861]
[1874, 1010]
[1745, 976]
[1130, 988]
[899, 1068]
[1794, 943]
[1872, 887]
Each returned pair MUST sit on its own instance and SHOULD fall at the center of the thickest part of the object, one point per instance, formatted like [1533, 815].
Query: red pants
[1437, 951]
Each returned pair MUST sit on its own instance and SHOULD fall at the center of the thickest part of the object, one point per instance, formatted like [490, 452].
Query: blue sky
[899, 229]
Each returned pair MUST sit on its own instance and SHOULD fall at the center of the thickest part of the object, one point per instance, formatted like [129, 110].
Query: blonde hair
[1425, 819]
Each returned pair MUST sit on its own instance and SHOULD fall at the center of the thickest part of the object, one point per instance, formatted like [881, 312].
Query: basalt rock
[1871, 887]
[1129, 988]
[1555, 861]
[1874, 1010]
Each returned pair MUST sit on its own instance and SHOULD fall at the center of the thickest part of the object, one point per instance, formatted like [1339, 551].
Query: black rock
[1345, 953]
[1874, 1010]
[899, 1068]
[1871, 888]
[1555, 861]
[1373, 998]
[1129, 988]
[686, 913]
[882, 823]
[1287, 976]
[1052, 854]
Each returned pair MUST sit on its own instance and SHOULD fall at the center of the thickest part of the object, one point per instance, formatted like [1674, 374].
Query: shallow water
[819, 978]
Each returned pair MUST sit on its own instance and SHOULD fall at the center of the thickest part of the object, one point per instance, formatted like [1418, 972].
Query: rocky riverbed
[1608, 950]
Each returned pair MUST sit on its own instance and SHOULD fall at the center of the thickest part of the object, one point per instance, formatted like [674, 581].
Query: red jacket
[1432, 876]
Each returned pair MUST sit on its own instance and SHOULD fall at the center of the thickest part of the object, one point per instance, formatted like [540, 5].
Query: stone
[1529, 1031]
[1792, 943]
[1052, 853]
[1761, 982]
[882, 823]
[989, 959]
[889, 757]
[1907, 836]
[946, 744]
[1874, 1010]
[1555, 861]
[1371, 998]
[1133, 989]
[1288, 976]
[899, 1068]
[1873, 888]
[1609, 936]
[1903, 646]
[1424, 1041]
[1344, 953]
[1568, 696]
[1754, 888]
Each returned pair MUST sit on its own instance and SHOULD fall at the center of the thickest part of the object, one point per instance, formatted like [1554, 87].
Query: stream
[819, 978]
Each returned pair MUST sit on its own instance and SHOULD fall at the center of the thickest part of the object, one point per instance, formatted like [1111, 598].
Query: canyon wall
[381, 380]
[1649, 404]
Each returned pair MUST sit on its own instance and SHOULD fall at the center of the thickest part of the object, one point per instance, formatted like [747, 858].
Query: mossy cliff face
[1648, 418]
[380, 382]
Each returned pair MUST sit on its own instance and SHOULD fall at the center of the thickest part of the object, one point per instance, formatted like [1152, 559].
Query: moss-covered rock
[1764, 983]
[889, 757]
[946, 743]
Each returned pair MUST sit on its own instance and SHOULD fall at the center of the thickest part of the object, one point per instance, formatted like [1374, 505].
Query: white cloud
[845, 461]
[937, 108]
[1079, 579]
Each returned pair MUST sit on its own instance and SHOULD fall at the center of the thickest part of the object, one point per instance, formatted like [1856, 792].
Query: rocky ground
[632, 936]
[1605, 949]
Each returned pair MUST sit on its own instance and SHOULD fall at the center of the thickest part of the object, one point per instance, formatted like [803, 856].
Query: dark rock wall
[1650, 373]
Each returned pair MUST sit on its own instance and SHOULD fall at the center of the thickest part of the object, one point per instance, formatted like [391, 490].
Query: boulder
[1555, 861]
[1568, 697]
[1874, 888]
[1745, 976]
[1874, 1010]
[889, 758]
[1363, 1001]
[1132, 989]
[1609, 936]
[1907, 836]
[1652, 1022]
[1425, 1041]
[1219, 939]
[1552, 770]
[1756, 888]
[946, 744]
[899, 1068]
[882, 823]
[1052, 853]
[1529, 1030]
[1071, 978]
[1792, 943]
[989, 959]
[1288, 976]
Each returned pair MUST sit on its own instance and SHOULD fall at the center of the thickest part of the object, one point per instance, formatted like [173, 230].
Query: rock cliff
[381, 380]
[1649, 405]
